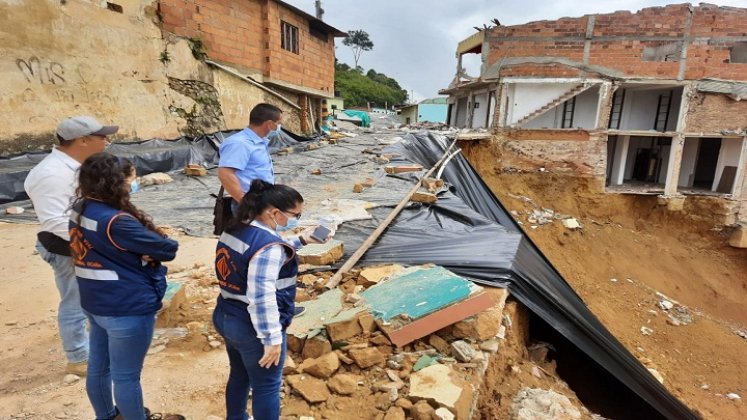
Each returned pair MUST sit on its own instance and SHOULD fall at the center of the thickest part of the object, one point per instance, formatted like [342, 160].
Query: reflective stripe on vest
[92, 274]
[234, 243]
[233, 296]
[285, 283]
[85, 222]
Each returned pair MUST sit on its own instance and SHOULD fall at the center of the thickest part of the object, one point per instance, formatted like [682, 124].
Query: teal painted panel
[432, 112]
[416, 293]
[171, 288]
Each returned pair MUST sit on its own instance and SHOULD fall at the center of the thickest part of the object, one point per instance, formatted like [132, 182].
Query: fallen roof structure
[467, 231]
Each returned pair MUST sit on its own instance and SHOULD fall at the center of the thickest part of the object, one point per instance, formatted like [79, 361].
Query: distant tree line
[358, 89]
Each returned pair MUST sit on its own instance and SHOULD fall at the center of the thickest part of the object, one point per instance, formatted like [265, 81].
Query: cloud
[415, 40]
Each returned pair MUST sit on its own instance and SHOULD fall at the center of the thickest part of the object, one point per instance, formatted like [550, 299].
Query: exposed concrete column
[470, 109]
[500, 110]
[675, 164]
[739, 179]
[604, 106]
[619, 161]
[678, 145]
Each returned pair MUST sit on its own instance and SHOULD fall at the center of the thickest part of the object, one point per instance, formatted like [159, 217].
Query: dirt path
[181, 378]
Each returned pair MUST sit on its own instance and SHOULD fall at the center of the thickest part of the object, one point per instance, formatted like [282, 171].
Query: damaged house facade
[159, 69]
[270, 41]
[653, 102]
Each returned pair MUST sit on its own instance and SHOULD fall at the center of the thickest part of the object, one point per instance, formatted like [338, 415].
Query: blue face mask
[134, 186]
[292, 223]
[274, 133]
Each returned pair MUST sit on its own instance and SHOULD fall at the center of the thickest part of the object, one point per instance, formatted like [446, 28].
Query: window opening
[289, 37]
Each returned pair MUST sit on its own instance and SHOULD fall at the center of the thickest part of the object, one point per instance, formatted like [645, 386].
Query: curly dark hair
[102, 177]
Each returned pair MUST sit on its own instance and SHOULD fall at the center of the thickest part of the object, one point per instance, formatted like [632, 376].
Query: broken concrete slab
[421, 300]
[311, 389]
[440, 385]
[323, 308]
[321, 254]
[373, 275]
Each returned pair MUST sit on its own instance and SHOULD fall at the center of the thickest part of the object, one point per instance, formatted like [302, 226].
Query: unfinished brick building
[270, 41]
[651, 102]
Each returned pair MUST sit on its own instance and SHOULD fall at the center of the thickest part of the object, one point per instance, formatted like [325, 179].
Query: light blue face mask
[274, 133]
[134, 186]
[292, 223]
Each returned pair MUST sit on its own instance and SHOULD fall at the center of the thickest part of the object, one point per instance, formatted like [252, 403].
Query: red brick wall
[246, 33]
[618, 40]
[711, 113]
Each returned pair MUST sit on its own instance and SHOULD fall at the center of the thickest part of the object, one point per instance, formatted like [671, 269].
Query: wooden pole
[337, 277]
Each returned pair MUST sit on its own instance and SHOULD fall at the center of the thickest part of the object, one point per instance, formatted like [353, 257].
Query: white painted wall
[728, 156]
[491, 108]
[689, 159]
[664, 159]
[635, 144]
[481, 112]
[529, 97]
[585, 116]
[639, 109]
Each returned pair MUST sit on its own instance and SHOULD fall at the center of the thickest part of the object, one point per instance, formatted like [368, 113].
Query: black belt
[53, 243]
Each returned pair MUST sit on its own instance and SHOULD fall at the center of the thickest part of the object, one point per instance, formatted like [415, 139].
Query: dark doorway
[642, 164]
[705, 165]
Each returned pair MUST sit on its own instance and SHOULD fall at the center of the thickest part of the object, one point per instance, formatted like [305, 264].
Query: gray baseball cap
[75, 127]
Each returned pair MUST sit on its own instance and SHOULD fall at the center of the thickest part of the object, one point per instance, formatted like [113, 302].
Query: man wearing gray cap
[51, 187]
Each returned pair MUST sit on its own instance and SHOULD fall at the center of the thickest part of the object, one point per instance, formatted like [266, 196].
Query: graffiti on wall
[33, 69]
[51, 74]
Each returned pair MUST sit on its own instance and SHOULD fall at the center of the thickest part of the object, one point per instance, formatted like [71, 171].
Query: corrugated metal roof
[736, 89]
[433, 101]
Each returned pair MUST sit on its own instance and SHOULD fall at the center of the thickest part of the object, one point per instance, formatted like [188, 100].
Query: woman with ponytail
[117, 251]
[256, 270]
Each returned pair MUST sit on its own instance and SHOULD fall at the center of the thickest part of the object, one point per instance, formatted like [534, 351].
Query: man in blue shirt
[244, 156]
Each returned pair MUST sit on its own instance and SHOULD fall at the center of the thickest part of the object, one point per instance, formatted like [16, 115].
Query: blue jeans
[70, 317]
[244, 351]
[118, 348]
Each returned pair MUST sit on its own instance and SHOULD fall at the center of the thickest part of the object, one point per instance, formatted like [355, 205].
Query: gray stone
[462, 351]
[534, 404]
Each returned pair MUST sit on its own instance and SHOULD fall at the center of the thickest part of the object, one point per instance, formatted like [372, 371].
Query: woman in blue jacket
[256, 271]
[117, 252]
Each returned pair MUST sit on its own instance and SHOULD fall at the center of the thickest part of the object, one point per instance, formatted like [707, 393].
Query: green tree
[359, 89]
[358, 41]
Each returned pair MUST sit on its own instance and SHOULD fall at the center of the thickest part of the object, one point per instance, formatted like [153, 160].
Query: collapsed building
[643, 103]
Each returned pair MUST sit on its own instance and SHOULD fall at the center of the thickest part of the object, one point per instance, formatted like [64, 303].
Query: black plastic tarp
[467, 231]
[489, 253]
[156, 155]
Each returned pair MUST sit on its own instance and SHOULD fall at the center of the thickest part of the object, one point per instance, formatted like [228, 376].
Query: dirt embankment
[628, 248]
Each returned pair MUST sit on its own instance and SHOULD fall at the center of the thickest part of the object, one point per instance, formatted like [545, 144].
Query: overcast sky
[415, 40]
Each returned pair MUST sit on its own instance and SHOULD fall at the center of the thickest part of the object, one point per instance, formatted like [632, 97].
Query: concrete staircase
[576, 90]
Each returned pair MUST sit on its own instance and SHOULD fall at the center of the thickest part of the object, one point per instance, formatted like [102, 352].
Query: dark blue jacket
[234, 251]
[107, 247]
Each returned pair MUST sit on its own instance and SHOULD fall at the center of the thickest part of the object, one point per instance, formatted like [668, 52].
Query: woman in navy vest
[256, 270]
[117, 252]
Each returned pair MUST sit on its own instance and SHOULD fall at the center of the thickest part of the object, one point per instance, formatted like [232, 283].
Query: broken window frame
[288, 37]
